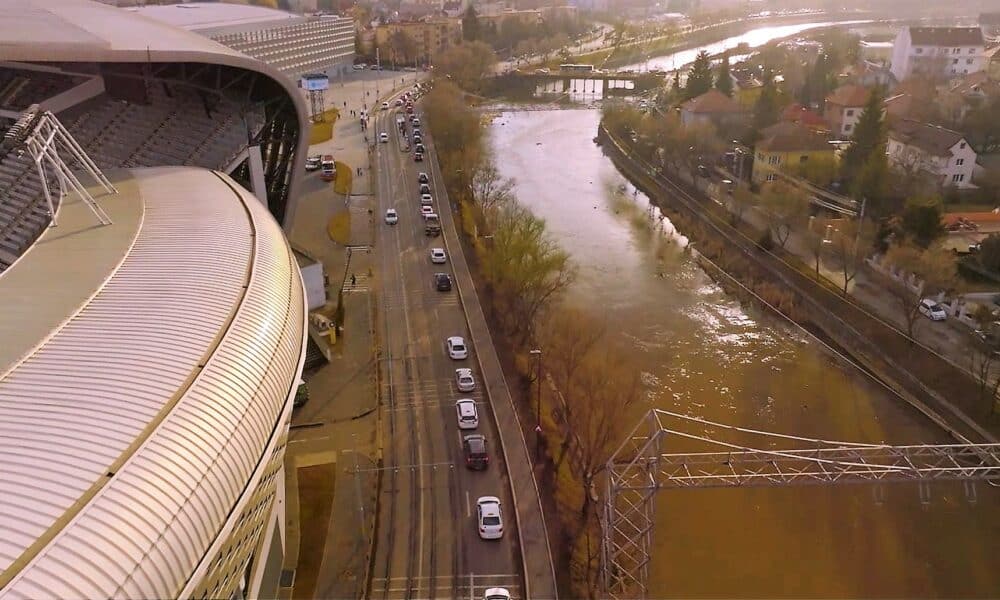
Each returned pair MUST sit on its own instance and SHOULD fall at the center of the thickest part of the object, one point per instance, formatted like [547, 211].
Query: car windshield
[458, 347]
[491, 520]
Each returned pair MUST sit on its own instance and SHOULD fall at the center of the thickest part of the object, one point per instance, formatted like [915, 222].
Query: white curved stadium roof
[206, 15]
[145, 378]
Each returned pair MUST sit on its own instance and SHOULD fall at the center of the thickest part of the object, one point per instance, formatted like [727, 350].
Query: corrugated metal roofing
[197, 336]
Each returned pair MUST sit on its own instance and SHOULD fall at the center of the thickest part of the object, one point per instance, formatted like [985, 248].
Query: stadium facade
[293, 44]
[149, 360]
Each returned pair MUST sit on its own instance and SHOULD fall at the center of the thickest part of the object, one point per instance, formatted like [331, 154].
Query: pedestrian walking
[354, 280]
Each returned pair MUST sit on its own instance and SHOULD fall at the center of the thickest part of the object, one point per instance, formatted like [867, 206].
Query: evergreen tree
[872, 182]
[723, 82]
[819, 81]
[675, 87]
[869, 139]
[700, 77]
[765, 110]
[470, 25]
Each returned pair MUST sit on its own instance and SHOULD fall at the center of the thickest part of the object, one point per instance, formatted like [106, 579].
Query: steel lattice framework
[642, 466]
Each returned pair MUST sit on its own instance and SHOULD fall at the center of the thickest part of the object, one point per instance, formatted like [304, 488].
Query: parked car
[422, 178]
[468, 416]
[464, 379]
[496, 594]
[456, 348]
[476, 455]
[932, 310]
[391, 218]
[359, 67]
[490, 518]
[438, 256]
[313, 162]
[442, 282]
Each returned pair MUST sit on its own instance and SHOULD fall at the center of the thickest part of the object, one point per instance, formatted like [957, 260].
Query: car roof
[466, 405]
[464, 371]
[476, 442]
[456, 339]
[488, 501]
[497, 593]
[437, 250]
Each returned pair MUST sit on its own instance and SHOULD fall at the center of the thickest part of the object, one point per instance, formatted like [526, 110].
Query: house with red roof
[799, 114]
[711, 107]
[843, 108]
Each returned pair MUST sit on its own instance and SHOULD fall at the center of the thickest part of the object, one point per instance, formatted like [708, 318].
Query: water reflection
[704, 355]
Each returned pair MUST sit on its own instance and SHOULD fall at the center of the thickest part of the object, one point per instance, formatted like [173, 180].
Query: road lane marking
[468, 505]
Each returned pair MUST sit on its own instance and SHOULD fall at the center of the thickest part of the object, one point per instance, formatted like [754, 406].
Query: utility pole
[357, 488]
[538, 404]
[861, 223]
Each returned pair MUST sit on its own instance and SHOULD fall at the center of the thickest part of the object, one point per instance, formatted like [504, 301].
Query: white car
[456, 348]
[464, 380]
[490, 517]
[932, 310]
[468, 416]
[426, 211]
[391, 218]
[438, 256]
[496, 594]
[313, 163]
[426, 199]
[385, 105]
[383, 137]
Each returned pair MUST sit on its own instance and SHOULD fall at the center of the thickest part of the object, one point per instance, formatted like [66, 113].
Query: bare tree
[815, 241]
[786, 206]
[849, 249]
[933, 270]
[491, 190]
[983, 363]
[737, 203]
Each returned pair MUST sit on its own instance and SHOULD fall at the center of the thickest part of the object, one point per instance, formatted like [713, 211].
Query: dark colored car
[424, 188]
[476, 456]
[422, 178]
[442, 281]
[418, 156]
[419, 147]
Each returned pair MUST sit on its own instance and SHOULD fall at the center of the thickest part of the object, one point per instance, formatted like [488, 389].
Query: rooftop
[946, 36]
[796, 113]
[849, 95]
[195, 16]
[792, 137]
[712, 102]
[932, 139]
[138, 366]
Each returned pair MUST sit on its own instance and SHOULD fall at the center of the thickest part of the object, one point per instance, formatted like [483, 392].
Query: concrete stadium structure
[148, 365]
[293, 44]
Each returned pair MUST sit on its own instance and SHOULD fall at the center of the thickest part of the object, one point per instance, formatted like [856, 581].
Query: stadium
[153, 320]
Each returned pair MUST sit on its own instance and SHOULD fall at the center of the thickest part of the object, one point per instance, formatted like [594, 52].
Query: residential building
[869, 74]
[962, 94]
[990, 24]
[427, 38]
[942, 154]
[711, 107]
[796, 113]
[522, 17]
[844, 107]
[877, 52]
[784, 145]
[899, 106]
[938, 51]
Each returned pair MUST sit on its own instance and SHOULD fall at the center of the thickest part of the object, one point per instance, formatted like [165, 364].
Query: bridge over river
[561, 81]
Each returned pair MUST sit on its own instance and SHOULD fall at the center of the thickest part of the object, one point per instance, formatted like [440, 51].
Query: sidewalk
[339, 425]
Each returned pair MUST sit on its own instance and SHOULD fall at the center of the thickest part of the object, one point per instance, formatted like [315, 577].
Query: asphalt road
[427, 543]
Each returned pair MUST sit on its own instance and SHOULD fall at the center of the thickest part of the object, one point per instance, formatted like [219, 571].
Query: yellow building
[786, 145]
[417, 41]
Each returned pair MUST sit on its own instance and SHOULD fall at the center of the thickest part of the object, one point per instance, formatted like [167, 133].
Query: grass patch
[345, 179]
[339, 227]
[322, 130]
[316, 485]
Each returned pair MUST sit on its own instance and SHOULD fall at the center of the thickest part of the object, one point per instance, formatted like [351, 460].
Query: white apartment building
[938, 51]
[942, 154]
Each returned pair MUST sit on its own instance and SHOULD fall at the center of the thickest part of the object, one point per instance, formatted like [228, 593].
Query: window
[956, 50]
[972, 50]
[771, 177]
[959, 162]
[968, 61]
[803, 158]
[850, 112]
[920, 50]
[773, 160]
[954, 61]
[848, 127]
[957, 178]
[961, 146]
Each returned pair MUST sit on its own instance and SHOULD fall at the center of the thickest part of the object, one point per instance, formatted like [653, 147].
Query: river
[705, 355]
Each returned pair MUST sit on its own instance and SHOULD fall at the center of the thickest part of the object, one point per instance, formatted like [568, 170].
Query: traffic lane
[500, 485]
[484, 556]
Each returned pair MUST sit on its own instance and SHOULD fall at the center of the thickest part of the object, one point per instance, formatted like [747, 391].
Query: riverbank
[936, 388]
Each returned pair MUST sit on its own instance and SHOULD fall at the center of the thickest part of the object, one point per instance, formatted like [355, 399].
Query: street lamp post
[538, 404]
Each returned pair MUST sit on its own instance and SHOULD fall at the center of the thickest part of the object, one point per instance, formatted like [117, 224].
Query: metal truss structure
[53, 150]
[642, 466]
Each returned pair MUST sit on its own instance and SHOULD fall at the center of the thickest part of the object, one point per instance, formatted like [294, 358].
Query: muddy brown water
[705, 355]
